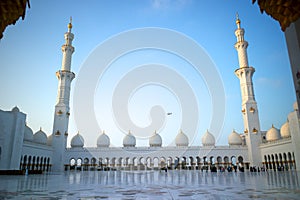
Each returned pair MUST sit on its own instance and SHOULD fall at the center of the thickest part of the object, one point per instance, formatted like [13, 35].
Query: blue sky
[30, 55]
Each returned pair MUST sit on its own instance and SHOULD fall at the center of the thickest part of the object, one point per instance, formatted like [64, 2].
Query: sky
[30, 54]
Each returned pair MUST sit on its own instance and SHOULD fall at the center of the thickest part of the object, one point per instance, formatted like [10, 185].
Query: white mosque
[21, 149]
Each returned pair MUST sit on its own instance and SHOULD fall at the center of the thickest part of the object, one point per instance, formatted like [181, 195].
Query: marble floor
[152, 185]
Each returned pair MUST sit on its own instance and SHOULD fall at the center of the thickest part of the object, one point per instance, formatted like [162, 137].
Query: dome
[40, 137]
[234, 138]
[77, 141]
[129, 140]
[28, 133]
[295, 105]
[272, 134]
[15, 109]
[285, 130]
[181, 139]
[155, 140]
[103, 140]
[208, 139]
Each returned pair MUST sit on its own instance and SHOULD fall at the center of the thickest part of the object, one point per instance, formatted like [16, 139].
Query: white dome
[129, 140]
[40, 137]
[272, 134]
[234, 138]
[77, 141]
[155, 140]
[28, 133]
[285, 130]
[181, 139]
[208, 139]
[295, 105]
[103, 140]
[49, 140]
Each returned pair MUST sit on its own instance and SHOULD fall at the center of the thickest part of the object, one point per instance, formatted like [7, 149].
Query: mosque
[21, 149]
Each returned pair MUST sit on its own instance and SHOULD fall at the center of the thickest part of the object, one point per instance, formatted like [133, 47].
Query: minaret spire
[62, 109]
[249, 105]
[238, 21]
[70, 25]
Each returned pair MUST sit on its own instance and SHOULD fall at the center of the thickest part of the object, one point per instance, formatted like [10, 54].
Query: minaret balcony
[252, 110]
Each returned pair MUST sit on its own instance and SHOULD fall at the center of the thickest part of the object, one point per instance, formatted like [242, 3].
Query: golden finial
[103, 132]
[70, 24]
[238, 21]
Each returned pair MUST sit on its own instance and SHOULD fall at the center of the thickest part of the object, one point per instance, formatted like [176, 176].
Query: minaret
[249, 105]
[62, 109]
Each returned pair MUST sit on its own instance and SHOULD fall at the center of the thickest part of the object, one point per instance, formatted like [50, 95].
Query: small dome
[181, 139]
[295, 105]
[28, 133]
[272, 134]
[208, 139]
[40, 137]
[155, 140]
[285, 130]
[103, 140]
[234, 138]
[129, 140]
[77, 141]
[15, 109]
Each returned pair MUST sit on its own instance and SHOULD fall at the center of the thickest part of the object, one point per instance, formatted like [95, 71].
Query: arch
[24, 162]
[48, 164]
[72, 163]
[198, 161]
[127, 161]
[240, 160]
[29, 163]
[162, 162]
[85, 163]
[79, 162]
[41, 163]
[219, 160]
[212, 160]
[233, 160]
[141, 163]
[93, 163]
[176, 162]
[269, 162]
[33, 163]
[205, 160]
[169, 162]
[135, 163]
[191, 161]
[155, 162]
[148, 162]
[184, 162]
[119, 162]
[44, 163]
[113, 161]
[226, 160]
[290, 160]
[37, 163]
[106, 162]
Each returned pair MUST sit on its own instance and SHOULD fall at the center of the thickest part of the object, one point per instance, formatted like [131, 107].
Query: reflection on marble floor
[152, 185]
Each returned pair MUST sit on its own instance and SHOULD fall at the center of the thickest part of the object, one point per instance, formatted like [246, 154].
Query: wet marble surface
[152, 185]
